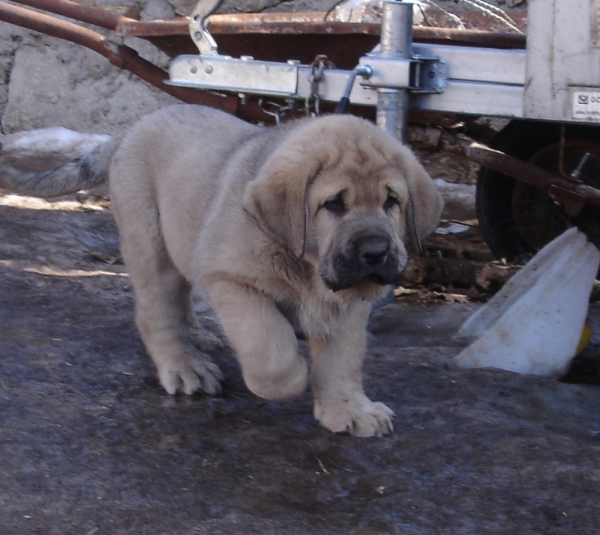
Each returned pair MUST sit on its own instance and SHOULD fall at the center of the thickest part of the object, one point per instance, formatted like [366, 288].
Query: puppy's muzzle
[369, 256]
[373, 251]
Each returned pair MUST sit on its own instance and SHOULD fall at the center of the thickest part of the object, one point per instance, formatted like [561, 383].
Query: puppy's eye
[389, 203]
[335, 206]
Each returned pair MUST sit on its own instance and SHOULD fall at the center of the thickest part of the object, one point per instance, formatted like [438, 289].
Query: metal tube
[396, 42]
[396, 29]
[303, 26]
[82, 13]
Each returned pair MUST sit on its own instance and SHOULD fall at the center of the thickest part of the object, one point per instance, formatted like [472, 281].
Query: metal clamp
[418, 74]
[200, 35]
[430, 75]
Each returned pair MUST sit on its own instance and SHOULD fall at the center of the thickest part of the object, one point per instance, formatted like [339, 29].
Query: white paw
[358, 416]
[189, 374]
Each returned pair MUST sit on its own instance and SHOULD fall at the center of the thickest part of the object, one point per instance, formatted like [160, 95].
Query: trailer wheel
[518, 219]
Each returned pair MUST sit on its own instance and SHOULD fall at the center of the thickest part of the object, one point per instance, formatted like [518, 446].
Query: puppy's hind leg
[162, 297]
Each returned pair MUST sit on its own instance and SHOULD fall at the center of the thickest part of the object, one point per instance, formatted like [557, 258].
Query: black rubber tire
[495, 191]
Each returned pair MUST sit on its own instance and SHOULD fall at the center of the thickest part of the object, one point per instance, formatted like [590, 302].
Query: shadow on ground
[89, 443]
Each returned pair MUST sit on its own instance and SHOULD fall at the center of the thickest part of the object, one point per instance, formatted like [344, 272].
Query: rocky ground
[89, 442]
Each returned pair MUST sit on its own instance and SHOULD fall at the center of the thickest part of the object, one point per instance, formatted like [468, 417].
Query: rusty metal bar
[57, 28]
[318, 22]
[119, 55]
[153, 28]
[91, 15]
[571, 194]
[266, 23]
[285, 23]
[305, 24]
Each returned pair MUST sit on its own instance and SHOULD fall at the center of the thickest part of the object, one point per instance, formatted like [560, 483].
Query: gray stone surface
[63, 84]
[47, 82]
[90, 444]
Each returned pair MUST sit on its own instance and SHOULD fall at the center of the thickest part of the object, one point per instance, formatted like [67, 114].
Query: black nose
[373, 250]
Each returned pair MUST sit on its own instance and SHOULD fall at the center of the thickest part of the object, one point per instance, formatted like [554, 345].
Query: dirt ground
[90, 443]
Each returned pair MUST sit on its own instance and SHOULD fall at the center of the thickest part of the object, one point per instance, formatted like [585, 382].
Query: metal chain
[312, 104]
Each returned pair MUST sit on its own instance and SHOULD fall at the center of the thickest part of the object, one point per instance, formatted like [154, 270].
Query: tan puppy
[293, 228]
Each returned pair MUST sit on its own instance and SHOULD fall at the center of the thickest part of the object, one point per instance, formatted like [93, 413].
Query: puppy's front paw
[189, 374]
[358, 416]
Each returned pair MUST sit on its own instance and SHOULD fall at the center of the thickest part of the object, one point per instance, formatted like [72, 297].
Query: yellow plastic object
[584, 340]
[534, 324]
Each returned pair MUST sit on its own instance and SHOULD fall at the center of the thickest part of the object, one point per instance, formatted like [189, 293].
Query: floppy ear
[277, 197]
[425, 208]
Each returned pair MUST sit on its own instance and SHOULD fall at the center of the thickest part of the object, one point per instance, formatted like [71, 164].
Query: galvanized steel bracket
[418, 74]
[243, 75]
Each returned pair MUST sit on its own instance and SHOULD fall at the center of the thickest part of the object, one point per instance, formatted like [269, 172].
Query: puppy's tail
[86, 172]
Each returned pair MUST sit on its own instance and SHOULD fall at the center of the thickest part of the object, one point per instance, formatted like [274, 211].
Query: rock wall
[46, 81]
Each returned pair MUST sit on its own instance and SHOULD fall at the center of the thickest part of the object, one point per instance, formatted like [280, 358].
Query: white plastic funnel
[534, 323]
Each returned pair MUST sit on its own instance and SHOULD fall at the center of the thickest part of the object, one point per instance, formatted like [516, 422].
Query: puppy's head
[337, 193]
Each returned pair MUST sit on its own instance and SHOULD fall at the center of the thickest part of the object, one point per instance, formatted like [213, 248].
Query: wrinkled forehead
[364, 189]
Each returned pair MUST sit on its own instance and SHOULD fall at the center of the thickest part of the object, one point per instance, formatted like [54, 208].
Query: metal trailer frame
[274, 36]
[557, 78]
[450, 79]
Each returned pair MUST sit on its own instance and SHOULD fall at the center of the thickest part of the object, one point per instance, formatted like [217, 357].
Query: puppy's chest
[301, 296]
[313, 318]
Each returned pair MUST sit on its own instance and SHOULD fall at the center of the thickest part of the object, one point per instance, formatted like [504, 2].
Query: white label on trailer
[586, 106]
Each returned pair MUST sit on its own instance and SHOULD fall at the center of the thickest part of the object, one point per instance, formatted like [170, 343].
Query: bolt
[208, 69]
